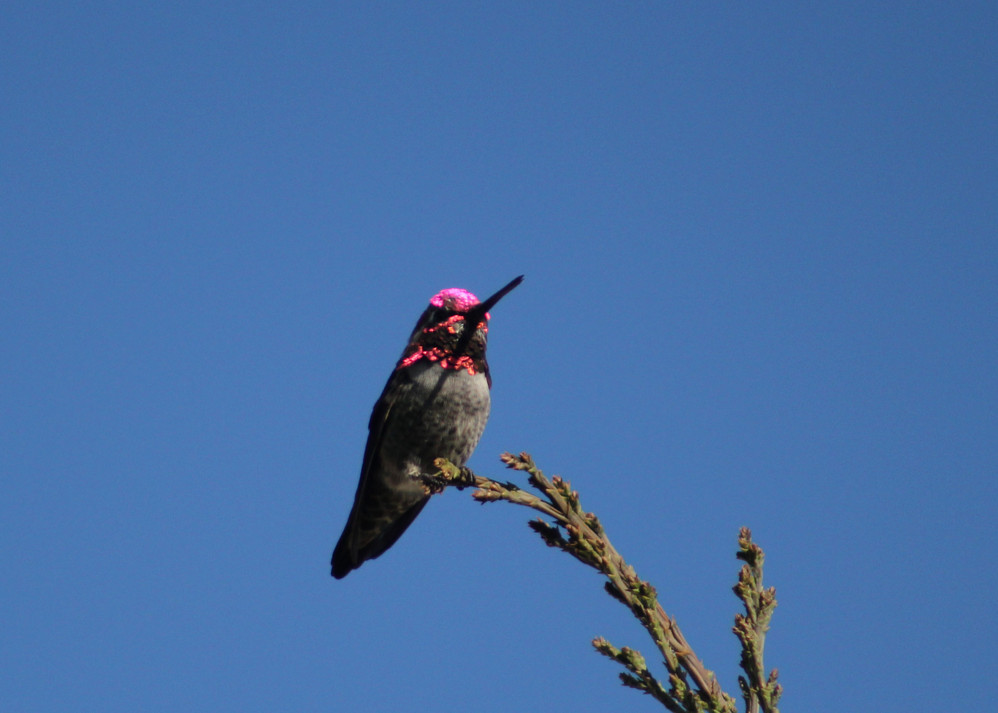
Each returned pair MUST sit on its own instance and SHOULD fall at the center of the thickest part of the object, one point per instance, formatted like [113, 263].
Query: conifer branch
[692, 687]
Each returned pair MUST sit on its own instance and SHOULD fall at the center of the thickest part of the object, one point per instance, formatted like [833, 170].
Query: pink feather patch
[454, 298]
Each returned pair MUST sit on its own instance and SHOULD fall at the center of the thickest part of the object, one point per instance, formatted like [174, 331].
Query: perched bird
[434, 405]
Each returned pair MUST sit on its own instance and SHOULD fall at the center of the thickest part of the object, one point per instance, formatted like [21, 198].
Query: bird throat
[434, 348]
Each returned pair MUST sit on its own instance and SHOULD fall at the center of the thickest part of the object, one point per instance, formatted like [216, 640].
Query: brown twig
[692, 686]
[758, 690]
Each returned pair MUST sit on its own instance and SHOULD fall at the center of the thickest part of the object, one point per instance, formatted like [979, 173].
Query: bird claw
[437, 483]
[434, 484]
[465, 479]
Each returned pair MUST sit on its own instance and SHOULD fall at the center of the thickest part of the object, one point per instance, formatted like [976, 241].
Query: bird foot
[437, 483]
[434, 484]
[465, 479]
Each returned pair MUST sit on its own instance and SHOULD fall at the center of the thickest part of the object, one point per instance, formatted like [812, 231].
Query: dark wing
[380, 512]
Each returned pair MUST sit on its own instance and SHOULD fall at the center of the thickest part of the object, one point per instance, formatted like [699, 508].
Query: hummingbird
[435, 405]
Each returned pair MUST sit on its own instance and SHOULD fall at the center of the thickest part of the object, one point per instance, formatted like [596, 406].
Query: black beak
[477, 313]
[479, 310]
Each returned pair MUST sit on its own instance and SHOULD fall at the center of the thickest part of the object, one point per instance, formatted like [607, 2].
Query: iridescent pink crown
[455, 299]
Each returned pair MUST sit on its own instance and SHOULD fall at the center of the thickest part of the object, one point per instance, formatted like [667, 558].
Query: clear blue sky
[761, 249]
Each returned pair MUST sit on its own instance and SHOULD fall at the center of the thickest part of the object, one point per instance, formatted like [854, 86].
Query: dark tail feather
[344, 561]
